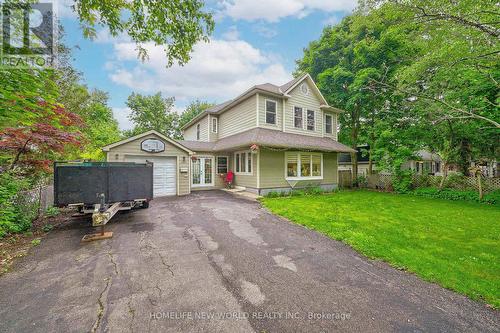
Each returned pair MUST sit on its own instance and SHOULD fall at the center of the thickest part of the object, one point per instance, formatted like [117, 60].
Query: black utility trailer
[102, 188]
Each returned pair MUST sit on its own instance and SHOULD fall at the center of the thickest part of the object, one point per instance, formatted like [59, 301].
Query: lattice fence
[384, 182]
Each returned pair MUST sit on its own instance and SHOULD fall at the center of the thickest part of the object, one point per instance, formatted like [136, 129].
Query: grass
[455, 244]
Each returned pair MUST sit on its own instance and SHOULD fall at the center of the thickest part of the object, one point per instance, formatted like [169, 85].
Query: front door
[202, 169]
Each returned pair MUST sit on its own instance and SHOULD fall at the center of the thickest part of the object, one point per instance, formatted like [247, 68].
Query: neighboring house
[427, 163]
[274, 138]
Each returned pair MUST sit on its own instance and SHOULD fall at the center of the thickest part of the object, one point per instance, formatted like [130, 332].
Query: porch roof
[270, 138]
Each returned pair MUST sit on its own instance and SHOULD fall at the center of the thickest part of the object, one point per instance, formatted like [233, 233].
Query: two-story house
[274, 138]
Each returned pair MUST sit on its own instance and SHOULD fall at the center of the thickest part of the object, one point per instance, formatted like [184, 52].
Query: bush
[273, 194]
[402, 181]
[316, 190]
[52, 211]
[12, 219]
[360, 181]
[450, 194]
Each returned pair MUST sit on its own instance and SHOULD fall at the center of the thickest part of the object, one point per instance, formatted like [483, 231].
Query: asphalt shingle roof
[269, 138]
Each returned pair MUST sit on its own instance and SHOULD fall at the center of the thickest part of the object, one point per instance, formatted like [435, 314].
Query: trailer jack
[100, 217]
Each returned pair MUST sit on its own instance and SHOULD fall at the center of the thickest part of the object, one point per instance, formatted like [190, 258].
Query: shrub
[360, 181]
[316, 190]
[47, 227]
[450, 194]
[52, 211]
[297, 193]
[402, 181]
[12, 219]
[273, 194]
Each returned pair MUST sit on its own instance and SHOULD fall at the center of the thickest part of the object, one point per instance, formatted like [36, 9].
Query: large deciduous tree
[153, 112]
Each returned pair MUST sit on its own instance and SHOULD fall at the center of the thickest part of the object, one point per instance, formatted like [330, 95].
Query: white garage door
[164, 173]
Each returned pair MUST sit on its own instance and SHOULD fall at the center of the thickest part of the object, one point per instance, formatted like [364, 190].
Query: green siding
[308, 102]
[272, 170]
[246, 180]
[239, 118]
[262, 112]
[190, 132]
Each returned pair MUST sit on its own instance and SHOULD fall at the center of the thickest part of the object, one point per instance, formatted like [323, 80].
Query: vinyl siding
[272, 170]
[262, 112]
[239, 118]
[211, 135]
[246, 180]
[307, 102]
[133, 148]
[190, 132]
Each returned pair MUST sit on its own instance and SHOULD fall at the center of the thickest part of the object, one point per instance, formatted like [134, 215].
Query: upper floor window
[214, 125]
[198, 129]
[328, 123]
[243, 162]
[297, 117]
[270, 112]
[310, 120]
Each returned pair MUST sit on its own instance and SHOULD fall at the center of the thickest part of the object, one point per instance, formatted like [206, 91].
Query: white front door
[203, 171]
[164, 173]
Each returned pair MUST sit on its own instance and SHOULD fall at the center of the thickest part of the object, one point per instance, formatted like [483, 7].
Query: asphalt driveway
[217, 263]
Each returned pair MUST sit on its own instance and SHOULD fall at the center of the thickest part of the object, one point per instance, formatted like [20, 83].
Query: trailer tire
[145, 204]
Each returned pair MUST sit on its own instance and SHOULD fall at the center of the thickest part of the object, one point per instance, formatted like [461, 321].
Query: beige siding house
[273, 138]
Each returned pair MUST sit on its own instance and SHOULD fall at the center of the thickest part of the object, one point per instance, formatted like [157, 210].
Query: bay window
[304, 165]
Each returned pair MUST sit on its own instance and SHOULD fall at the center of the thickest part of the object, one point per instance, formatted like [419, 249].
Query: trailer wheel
[145, 204]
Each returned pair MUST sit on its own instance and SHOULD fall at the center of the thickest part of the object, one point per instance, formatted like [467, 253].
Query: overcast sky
[255, 41]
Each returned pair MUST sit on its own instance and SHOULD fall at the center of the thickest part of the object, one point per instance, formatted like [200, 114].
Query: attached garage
[170, 161]
[164, 173]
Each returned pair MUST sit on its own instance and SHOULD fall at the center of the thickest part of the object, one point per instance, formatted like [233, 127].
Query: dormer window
[198, 129]
[270, 112]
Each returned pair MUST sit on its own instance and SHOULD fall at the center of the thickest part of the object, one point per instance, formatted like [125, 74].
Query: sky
[254, 42]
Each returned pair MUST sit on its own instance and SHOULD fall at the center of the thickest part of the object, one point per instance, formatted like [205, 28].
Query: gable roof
[135, 137]
[280, 91]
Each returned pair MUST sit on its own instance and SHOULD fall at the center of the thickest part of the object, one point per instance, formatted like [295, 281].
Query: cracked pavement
[214, 262]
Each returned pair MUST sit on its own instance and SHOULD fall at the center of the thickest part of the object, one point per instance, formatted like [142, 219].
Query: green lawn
[456, 244]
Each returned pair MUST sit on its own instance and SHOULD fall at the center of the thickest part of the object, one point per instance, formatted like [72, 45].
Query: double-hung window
[243, 162]
[270, 112]
[304, 165]
[214, 125]
[328, 123]
[297, 117]
[310, 120]
[198, 130]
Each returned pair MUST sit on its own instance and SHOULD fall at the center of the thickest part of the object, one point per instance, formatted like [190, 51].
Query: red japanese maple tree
[53, 131]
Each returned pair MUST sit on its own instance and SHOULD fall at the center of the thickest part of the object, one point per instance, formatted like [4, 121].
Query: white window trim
[300, 107]
[249, 153]
[215, 128]
[217, 162]
[331, 125]
[298, 166]
[213, 172]
[275, 111]
[314, 121]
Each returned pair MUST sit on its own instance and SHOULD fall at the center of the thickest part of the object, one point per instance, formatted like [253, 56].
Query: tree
[346, 60]
[153, 112]
[177, 25]
[192, 110]
[35, 146]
